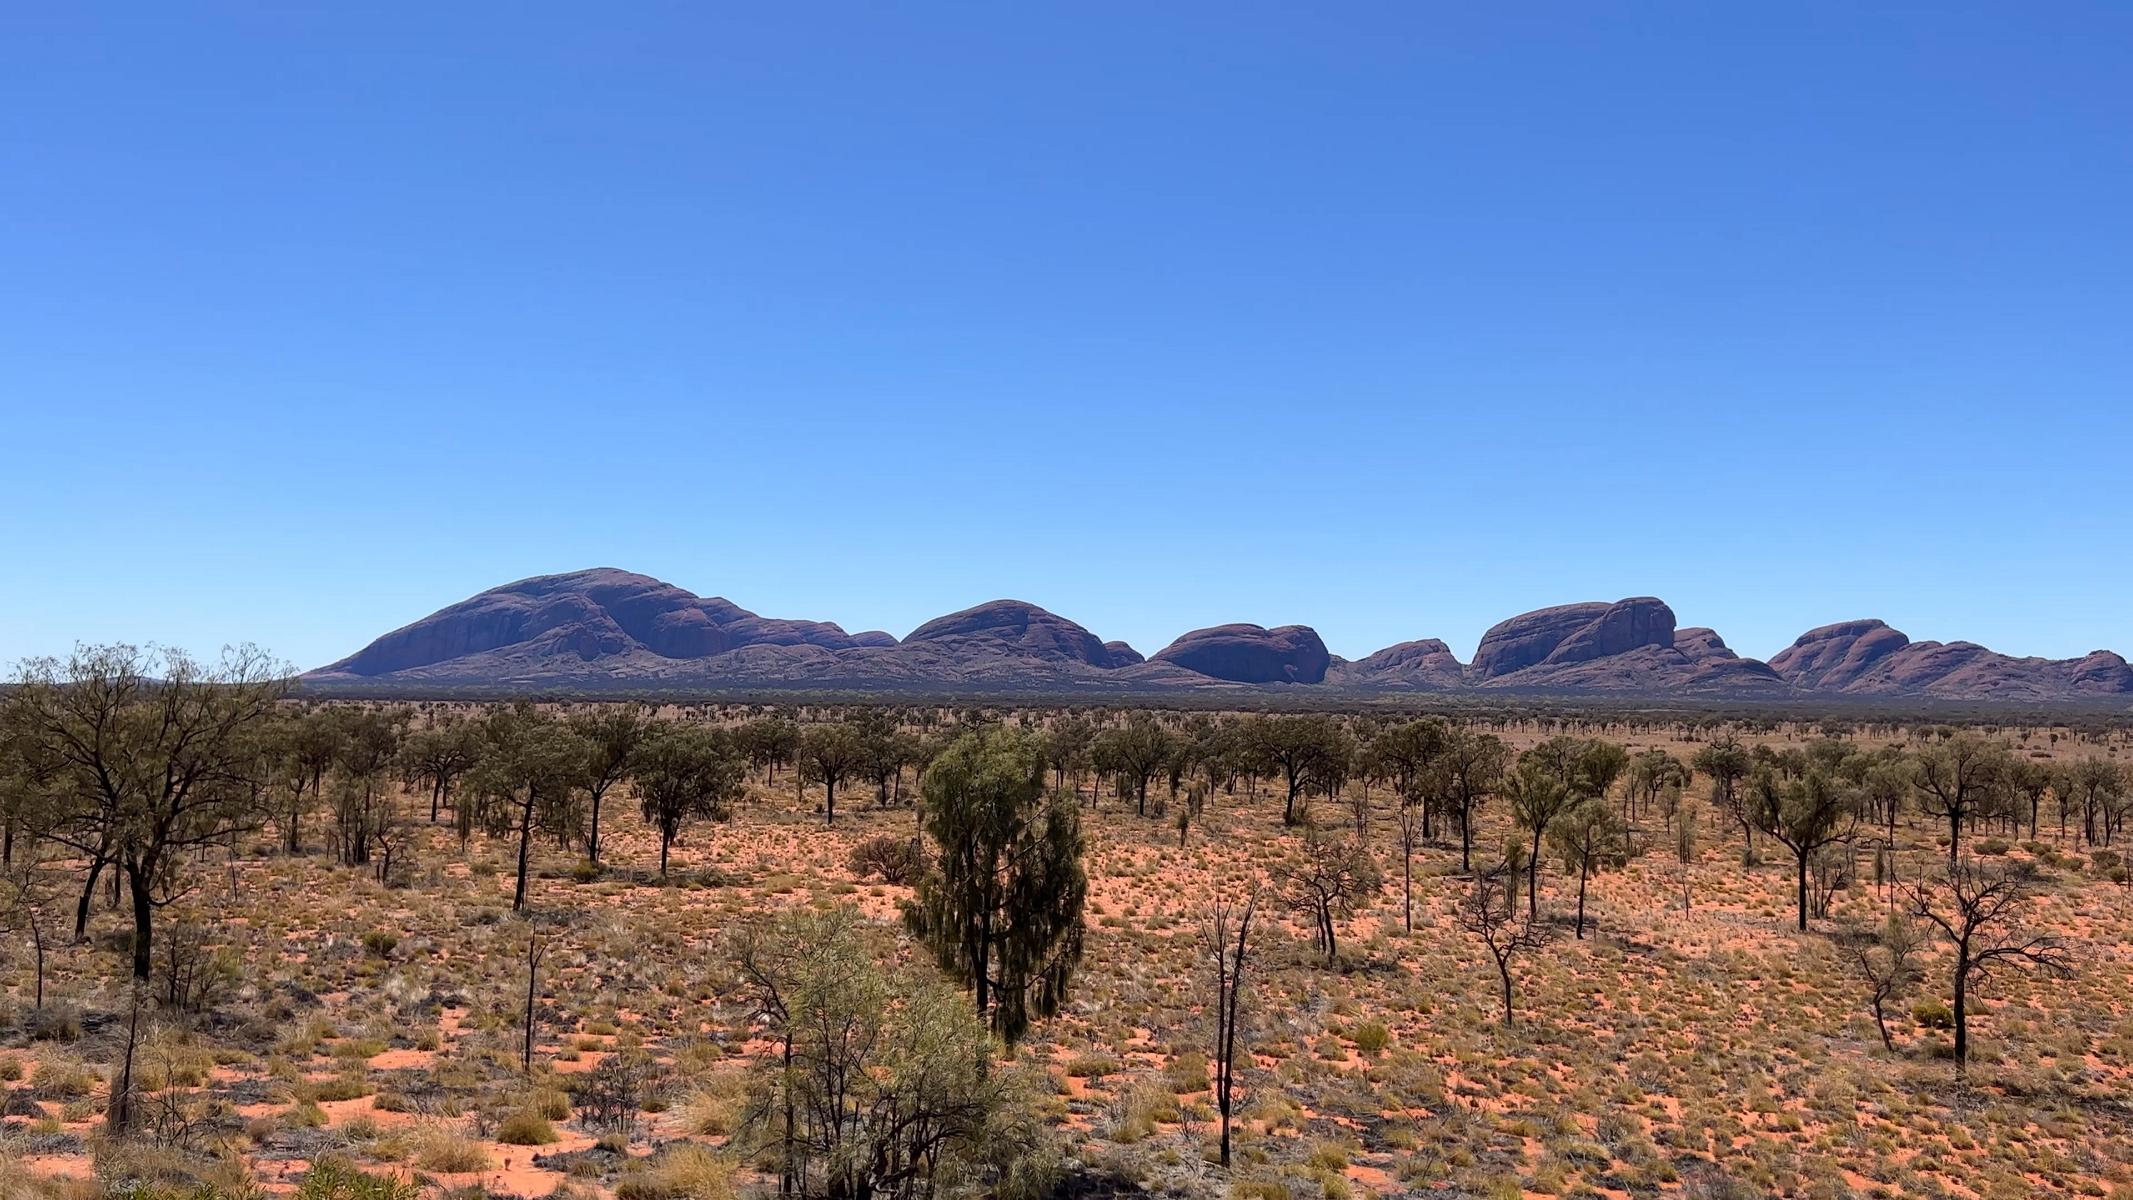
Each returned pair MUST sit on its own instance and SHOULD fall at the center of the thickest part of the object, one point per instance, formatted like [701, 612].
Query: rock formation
[1251, 654]
[611, 629]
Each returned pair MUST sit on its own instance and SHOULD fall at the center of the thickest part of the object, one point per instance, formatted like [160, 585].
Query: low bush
[526, 1128]
[892, 859]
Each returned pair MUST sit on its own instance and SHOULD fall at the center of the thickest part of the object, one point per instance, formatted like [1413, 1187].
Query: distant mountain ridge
[612, 629]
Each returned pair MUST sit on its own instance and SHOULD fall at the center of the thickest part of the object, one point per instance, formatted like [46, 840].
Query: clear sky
[1390, 319]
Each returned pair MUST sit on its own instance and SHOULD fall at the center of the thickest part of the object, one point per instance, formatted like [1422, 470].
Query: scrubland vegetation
[354, 950]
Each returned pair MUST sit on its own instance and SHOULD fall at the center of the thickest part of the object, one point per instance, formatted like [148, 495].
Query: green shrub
[551, 1104]
[438, 1149]
[341, 1087]
[1371, 1038]
[526, 1128]
[1091, 1066]
[1187, 1073]
[683, 1172]
[55, 1023]
[332, 1179]
[1932, 1014]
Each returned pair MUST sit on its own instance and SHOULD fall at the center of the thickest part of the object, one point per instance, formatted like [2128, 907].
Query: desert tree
[1599, 765]
[28, 769]
[1134, 753]
[830, 753]
[530, 763]
[1887, 959]
[1956, 779]
[1979, 910]
[1803, 807]
[1650, 774]
[2029, 782]
[769, 742]
[1408, 751]
[1066, 750]
[613, 735]
[536, 950]
[437, 758]
[1538, 794]
[368, 747]
[686, 772]
[312, 746]
[1218, 751]
[1411, 818]
[1000, 904]
[889, 751]
[1884, 781]
[1685, 847]
[151, 750]
[1228, 933]
[1326, 882]
[1489, 911]
[1726, 762]
[25, 888]
[1474, 764]
[2096, 785]
[772, 957]
[1589, 837]
[885, 1084]
[1310, 751]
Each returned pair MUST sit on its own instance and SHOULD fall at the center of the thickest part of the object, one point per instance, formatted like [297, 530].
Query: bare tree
[1978, 908]
[1490, 912]
[1888, 960]
[1685, 849]
[1326, 883]
[1229, 930]
[536, 948]
[1957, 778]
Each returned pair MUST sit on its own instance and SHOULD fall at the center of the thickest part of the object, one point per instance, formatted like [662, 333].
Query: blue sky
[1390, 319]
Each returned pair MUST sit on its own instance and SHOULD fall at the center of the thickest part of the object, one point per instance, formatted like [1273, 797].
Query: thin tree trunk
[1962, 1014]
[525, 836]
[88, 892]
[592, 834]
[144, 913]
